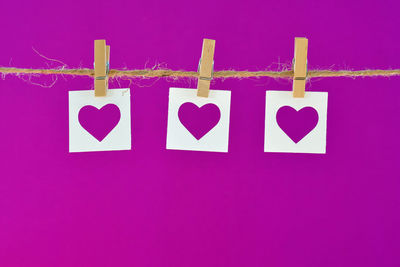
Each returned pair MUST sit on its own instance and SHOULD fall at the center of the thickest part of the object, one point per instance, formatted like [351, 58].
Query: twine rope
[154, 73]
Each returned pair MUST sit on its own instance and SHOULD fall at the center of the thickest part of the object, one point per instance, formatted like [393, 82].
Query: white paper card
[201, 112]
[99, 123]
[296, 125]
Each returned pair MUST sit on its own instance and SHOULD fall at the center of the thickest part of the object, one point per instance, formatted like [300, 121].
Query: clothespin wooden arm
[206, 68]
[300, 67]
[101, 67]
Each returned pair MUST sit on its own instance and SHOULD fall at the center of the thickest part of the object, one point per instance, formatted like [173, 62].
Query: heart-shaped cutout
[99, 122]
[297, 124]
[199, 120]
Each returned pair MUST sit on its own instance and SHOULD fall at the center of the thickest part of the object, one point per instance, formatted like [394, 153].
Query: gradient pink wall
[153, 207]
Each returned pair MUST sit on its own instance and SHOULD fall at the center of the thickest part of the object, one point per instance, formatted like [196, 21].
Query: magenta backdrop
[153, 207]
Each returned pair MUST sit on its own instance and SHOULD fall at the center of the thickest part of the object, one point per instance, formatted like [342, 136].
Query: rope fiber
[192, 74]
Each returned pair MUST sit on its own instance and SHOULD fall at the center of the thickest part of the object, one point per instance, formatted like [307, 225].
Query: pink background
[153, 207]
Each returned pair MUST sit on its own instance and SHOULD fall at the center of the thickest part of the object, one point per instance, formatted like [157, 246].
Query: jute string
[217, 74]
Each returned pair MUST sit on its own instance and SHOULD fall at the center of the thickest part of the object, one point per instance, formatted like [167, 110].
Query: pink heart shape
[297, 124]
[199, 121]
[99, 122]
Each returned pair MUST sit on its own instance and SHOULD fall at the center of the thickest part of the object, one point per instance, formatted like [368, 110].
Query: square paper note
[99, 123]
[295, 125]
[198, 123]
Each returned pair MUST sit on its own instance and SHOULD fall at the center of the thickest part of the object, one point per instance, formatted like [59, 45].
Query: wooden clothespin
[101, 67]
[206, 68]
[300, 67]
